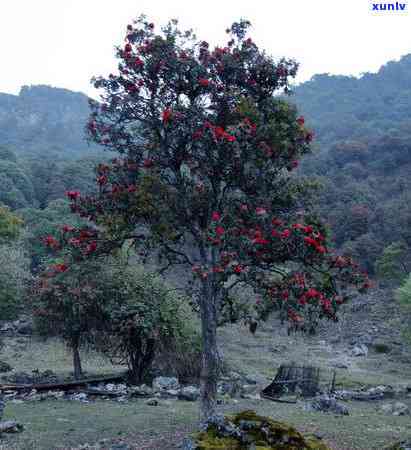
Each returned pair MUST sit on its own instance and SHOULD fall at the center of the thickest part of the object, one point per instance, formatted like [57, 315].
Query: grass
[62, 424]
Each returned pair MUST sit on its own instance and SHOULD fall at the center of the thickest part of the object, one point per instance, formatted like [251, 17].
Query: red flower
[218, 269]
[219, 231]
[51, 241]
[300, 121]
[127, 48]
[285, 295]
[203, 82]
[309, 136]
[238, 268]
[102, 180]
[321, 249]
[131, 188]
[60, 268]
[312, 293]
[138, 62]
[229, 138]
[308, 229]
[91, 247]
[294, 163]
[244, 207]
[310, 241]
[276, 222]
[260, 211]
[216, 216]
[285, 234]
[166, 115]
[73, 195]
[67, 228]
[148, 163]
[298, 226]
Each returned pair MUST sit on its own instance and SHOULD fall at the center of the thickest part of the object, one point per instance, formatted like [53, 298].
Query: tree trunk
[211, 358]
[78, 371]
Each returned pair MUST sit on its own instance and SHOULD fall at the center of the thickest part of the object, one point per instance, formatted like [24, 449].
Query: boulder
[10, 426]
[395, 409]
[189, 393]
[230, 388]
[152, 402]
[327, 403]
[403, 445]
[247, 431]
[165, 383]
[360, 350]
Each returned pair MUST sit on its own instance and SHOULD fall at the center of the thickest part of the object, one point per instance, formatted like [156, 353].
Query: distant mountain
[339, 107]
[44, 118]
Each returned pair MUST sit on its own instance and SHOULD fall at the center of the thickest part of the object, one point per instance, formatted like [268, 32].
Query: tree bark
[78, 371]
[211, 358]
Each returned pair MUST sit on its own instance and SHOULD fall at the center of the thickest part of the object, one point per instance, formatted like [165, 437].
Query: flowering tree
[205, 179]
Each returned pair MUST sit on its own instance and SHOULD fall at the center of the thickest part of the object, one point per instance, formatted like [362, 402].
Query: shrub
[149, 323]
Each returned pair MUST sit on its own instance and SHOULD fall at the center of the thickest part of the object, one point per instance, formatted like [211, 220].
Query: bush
[149, 325]
[14, 276]
[403, 295]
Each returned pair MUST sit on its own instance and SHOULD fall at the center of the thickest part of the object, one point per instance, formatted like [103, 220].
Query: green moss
[260, 433]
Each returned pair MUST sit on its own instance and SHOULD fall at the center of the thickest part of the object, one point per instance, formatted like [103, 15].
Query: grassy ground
[62, 424]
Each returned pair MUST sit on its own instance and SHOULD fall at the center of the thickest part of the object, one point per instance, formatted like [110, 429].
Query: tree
[146, 319]
[204, 179]
[70, 304]
[394, 263]
[14, 274]
[10, 225]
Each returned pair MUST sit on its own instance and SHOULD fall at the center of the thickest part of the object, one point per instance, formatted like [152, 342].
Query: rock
[80, 396]
[327, 403]
[120, 446]
[170, 393]
[254, 397]
[251, 431]
[382, 391]
[230, 388]
[141, 391]
[4, 367]
[343, 395]
[24, 327]
[248, 389]
[360, 350]
[10, 426]
[253, 379]
[403, 445]
[152, 402]
[165, 383]
[189, 393]
[395, 409]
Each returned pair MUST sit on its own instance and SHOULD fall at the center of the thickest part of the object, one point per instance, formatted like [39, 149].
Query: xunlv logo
[389, 6]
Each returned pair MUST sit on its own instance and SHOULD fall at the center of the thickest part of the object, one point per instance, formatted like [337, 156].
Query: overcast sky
[65, 42]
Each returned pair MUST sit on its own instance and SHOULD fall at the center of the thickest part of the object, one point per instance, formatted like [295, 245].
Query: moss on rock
[255, 432]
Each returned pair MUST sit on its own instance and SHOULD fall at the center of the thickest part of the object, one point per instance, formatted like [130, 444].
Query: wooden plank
[63, 386]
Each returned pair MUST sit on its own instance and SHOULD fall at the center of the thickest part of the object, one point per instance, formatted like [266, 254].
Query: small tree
[395, 262]
[69, 300]
[403, 296]
[145, 319]
[205, 178]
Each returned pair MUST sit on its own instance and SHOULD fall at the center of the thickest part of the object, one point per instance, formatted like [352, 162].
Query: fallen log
[62, 386]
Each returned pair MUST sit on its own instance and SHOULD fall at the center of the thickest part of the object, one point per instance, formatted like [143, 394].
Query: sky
[63, 43]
